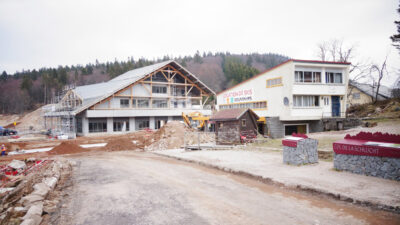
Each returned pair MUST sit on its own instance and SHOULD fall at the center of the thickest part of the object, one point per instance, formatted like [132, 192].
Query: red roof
[230, 114]
[290, 60]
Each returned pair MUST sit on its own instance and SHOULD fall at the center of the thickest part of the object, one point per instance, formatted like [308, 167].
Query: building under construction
[142, 98]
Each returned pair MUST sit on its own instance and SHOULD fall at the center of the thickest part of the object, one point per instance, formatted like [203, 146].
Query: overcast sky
[46, 33]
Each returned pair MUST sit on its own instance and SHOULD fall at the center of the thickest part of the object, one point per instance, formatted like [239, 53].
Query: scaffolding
[59, 117]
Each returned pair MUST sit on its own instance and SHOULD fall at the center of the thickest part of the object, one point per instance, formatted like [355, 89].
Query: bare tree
[322, 50]
[359, 71]
[381, 71]
[334, 50]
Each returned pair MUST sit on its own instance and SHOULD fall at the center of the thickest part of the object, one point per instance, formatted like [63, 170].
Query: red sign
[289, 143]
[358, 147]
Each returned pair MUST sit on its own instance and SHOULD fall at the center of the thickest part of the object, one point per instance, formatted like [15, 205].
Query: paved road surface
[142, 188]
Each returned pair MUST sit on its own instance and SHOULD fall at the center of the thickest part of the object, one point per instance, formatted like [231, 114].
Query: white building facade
[293, 96]
[143, 98]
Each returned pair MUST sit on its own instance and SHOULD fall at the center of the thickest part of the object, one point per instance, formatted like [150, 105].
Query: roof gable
[91, 94]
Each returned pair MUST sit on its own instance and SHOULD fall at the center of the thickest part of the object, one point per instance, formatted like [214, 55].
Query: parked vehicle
[7, 132]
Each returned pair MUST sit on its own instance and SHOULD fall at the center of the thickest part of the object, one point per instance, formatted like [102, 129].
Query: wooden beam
[206, 100]
[164, 75]
[189, 90]
[141, 83]
[174, 73]
[191, 82]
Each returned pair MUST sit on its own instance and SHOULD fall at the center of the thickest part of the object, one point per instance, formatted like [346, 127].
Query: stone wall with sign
[304, 153]
[385, 167]
[369, 154]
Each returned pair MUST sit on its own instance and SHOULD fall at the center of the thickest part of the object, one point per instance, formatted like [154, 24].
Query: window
[274, 82]
[160, 103]
[142, 124]
[119, 124]
[251, 105]
[305, 101]
[307, 77]
[143, 103]
[124, 103]
[79, 125]
[333, 78]
[97, 125]
[326, 100]
[316, 77]
[159, 89]
[356, 95]
[133, 103]
[243, 123]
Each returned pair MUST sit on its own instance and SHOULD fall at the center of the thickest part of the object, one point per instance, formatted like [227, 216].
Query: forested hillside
[29, 89]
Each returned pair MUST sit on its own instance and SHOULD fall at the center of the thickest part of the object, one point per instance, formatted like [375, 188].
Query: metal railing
[333, 115]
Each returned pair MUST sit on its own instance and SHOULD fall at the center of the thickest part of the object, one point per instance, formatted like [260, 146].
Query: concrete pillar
[170, 118]
[110, 125]
[85, 126]
[132, 124]
[152, 125]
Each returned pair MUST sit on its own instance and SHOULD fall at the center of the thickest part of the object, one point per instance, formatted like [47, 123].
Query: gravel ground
[320, 177]
[143, 188]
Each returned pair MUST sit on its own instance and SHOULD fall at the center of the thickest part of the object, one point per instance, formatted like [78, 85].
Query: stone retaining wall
[305, 152]
[385, 167]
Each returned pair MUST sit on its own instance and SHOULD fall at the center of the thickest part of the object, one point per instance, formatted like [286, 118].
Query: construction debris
[24, 201]
[17, 165]
[175, 134]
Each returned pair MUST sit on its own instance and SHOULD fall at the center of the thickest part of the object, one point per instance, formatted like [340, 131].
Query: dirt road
[142, 188]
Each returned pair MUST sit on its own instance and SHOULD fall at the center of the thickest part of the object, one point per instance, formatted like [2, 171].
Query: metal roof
[91, 94]
[231, 114]
[384, 92]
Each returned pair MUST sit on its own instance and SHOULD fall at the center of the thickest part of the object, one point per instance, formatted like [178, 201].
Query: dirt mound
[121, 143]
[174, 134]
[32, 120]
[66, 147]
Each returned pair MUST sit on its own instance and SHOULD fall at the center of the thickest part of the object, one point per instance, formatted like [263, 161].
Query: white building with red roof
[293, 96]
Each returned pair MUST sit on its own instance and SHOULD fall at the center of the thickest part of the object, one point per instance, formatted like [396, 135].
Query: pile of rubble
[24, 193]
[176, 134]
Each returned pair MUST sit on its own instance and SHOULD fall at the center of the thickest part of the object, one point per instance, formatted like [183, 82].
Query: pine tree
[3, 76]
[26, 83]
[197, 57]
[396, 37]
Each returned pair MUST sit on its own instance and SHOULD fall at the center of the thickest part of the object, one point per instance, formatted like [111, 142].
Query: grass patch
[272, 143]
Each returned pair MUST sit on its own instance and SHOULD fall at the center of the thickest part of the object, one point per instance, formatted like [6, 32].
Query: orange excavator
[195, 120]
